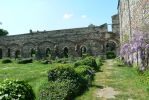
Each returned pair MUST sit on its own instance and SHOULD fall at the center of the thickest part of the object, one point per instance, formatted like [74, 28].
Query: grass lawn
[34, 73]
[126, 80]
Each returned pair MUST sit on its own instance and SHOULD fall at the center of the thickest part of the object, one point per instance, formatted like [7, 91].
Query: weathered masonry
[93, 40]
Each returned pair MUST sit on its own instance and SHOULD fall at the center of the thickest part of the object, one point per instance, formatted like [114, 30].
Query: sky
[19, 16]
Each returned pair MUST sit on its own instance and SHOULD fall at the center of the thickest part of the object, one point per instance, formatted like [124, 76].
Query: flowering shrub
[137, 47]
[16, 90]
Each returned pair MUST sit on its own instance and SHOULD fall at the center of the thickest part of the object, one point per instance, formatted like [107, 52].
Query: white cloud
[67, 16]
[83, 16]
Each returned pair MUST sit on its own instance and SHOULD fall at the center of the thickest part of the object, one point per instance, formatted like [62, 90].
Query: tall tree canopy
[3, 32]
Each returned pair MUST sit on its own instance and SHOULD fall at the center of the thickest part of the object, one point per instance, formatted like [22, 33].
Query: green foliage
[58, 90]
[25, 61]
[5, 61]
[89, 61]
[100, 60]
[3, 32]
[110, 55]
[86, 73]
[62, 72]
[65, 82]
[16, 90]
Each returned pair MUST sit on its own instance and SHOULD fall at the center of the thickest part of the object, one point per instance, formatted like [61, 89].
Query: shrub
[58, 90]
[16, 90]
[100, 61]
[25, 61]
[5, 61]
[89, 61]
[64, 73]
[110, 55]
[86, 73]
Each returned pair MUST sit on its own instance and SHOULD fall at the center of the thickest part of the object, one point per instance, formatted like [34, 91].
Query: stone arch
[17, 54]
[11, 49]
[33, 53]
[83, 50]
[65, 52]
[27, 48]
[94, 46]
[113, 41]
[48, 52]
[43, 47]
[70, 46]
[111, 46]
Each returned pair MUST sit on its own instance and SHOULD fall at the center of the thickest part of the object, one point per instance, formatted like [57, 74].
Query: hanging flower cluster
[137, 44]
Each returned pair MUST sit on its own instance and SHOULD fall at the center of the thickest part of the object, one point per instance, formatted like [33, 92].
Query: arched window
[33, 53]
[17, 54]
[1, 53]
[65, 52]
[48, 52]
[9, 54]
[83, 50]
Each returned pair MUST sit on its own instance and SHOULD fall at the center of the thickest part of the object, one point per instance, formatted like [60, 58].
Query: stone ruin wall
[93, 38]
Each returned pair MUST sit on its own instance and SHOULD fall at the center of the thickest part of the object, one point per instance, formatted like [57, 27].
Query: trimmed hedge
[5, 61]
[86, 73]
[64, 83]
[25, 61]
[16, 90]
[65, 72]
[89, 61]
[58, 90]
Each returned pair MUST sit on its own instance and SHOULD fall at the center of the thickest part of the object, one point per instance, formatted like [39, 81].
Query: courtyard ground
[116, 83]
[112, 83]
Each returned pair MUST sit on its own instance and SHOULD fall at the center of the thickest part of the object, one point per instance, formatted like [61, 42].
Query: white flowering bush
[16, 90]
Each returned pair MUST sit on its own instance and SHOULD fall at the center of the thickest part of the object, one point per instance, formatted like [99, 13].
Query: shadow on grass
[100, 70]
[97, 86]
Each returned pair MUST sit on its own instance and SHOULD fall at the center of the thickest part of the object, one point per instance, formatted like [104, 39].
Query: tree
[3, 32]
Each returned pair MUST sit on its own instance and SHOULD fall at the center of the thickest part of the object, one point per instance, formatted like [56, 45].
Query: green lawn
[126, 80]
[34, 73]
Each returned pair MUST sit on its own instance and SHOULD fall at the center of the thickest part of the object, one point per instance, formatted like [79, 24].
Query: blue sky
[19, 16]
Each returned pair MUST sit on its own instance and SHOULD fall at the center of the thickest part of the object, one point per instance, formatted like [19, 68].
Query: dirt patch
[108, 93]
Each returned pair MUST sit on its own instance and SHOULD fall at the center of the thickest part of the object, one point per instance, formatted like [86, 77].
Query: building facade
[134, 31]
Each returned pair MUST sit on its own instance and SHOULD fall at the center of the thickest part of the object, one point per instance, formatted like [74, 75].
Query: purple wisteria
[137, 50]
